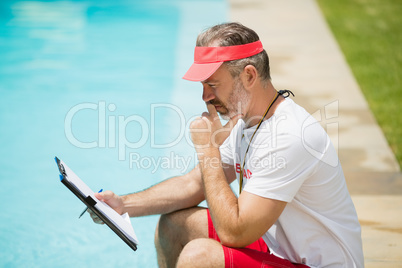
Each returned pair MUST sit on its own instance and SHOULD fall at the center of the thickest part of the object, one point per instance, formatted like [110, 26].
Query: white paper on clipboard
[121, 222]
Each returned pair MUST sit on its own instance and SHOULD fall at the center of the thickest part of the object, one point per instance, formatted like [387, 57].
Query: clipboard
[120, 225]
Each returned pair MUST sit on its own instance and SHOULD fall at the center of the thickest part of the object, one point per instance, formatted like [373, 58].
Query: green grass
[369, 33]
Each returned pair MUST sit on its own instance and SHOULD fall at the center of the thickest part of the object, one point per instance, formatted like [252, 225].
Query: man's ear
[249, 76]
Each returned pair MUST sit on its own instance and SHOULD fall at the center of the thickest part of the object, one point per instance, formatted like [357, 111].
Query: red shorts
[256, 254]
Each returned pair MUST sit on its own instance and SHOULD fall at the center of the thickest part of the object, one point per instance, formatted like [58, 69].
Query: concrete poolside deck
[306, 58]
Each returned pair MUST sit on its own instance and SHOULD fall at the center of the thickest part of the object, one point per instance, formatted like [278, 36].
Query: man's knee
[202, 252]
[183, 225]
[166, 226]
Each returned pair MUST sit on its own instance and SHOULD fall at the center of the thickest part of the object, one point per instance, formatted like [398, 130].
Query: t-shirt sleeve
[279, 172]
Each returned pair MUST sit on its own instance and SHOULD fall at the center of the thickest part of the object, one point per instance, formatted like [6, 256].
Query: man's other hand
[207, 130]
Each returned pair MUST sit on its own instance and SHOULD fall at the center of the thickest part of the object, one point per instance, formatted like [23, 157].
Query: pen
[85, 210]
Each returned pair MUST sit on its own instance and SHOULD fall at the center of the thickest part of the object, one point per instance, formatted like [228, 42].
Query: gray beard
[237, 101]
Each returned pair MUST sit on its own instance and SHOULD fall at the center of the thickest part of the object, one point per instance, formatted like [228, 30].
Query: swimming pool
[96, 83]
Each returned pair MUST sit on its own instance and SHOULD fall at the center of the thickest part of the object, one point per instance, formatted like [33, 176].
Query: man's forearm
[168, 196]
[238, 221]
[222, 202]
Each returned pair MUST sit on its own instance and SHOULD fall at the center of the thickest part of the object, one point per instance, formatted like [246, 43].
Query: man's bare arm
[168, 196]
[238, 221]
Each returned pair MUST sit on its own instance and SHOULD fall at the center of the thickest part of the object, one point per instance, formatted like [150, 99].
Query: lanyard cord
[281, 92]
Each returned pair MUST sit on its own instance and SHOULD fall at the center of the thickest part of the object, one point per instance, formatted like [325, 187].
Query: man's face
[228, 95]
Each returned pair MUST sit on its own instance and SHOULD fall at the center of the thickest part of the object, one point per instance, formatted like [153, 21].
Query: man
[293, 210]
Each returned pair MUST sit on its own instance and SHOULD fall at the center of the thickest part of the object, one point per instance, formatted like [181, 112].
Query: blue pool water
[98, 84]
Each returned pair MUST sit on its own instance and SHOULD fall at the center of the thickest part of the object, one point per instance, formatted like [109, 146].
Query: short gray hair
[230, 34]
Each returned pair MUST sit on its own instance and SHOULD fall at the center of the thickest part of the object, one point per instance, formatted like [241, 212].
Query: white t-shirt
[292, 159]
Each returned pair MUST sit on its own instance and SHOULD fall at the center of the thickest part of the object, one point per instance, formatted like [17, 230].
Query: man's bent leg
[177, 229]
[202, 252]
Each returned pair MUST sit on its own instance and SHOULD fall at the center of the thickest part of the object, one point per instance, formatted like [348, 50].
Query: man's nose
[207, 94]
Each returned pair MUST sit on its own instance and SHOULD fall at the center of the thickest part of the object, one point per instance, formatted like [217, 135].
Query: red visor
[208, 59]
